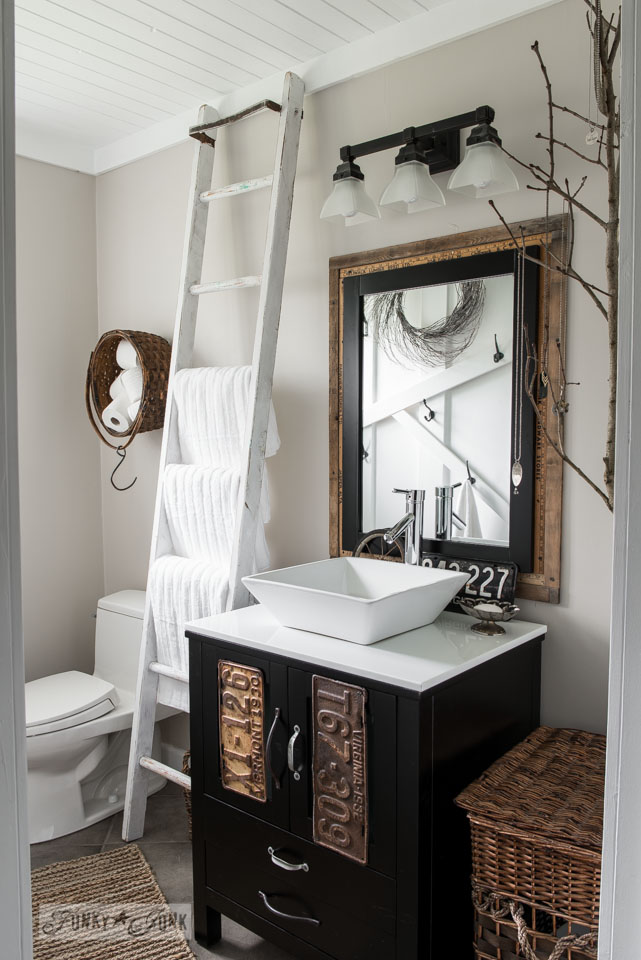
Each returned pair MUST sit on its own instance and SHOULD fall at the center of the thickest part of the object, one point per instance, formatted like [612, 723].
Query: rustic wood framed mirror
[428, 365]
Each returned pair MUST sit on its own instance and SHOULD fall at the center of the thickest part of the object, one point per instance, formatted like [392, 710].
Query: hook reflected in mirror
[498, 356]
[430, 413]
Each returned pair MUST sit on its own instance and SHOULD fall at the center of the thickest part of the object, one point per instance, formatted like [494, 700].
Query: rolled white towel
[117, 387]
[132, 382]
[201, 504]
[132, 410]
[181, 590]
[115, 416]
[126, 356]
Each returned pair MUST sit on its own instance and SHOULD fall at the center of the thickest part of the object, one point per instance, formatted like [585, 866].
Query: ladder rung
[167, 772]
[243, 186]
[216, 286]
[168, 672]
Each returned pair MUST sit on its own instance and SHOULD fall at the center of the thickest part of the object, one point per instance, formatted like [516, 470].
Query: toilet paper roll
[132, 382]
[117, 388]
[126, 356]
[132, 410]
[115, 416]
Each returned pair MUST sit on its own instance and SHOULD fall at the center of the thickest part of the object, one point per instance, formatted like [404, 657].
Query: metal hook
[498, 356]
[122, 453]
[430, 412]
[469, 475]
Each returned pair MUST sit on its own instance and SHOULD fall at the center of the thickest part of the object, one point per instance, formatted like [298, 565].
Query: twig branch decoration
[606, 37]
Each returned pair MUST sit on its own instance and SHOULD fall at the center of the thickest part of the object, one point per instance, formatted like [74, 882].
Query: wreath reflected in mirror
[439, 342]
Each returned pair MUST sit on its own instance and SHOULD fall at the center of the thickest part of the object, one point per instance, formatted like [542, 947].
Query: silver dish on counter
[489, 612]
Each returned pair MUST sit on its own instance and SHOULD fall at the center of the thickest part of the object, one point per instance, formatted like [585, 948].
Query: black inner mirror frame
[355, 289]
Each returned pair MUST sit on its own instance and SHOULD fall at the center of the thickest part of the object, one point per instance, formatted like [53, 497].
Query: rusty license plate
[340, 767]
[241, 714]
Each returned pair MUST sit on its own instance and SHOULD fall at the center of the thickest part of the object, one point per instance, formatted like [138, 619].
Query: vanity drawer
[238, 864]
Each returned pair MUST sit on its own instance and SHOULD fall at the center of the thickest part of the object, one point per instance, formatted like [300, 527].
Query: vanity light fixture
[412, 189]
[484, 171]
[425, 150]
[349, 200]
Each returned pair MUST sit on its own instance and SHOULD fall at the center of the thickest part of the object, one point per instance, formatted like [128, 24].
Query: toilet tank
[118, 637]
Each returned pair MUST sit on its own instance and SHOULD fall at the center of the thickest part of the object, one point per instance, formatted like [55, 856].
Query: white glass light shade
[349, 201]
[483, 173]
[412, 189]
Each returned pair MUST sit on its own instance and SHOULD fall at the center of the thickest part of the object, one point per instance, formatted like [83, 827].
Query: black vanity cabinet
[255, 860]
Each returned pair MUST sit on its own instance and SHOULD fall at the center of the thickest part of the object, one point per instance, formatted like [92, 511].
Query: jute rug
[104, 907]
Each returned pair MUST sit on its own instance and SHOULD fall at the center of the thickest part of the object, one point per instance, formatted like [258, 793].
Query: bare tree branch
[557, 447]
[606, 37]
[567, 271]
[579, 116]
[560, 143]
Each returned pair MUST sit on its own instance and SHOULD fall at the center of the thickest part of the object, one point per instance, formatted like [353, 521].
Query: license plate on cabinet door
[340, 767]
[241, 721]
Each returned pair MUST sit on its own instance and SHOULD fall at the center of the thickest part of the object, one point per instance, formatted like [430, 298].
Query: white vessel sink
[356, 599]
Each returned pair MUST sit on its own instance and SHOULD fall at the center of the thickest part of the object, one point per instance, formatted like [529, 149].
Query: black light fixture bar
[439, 140]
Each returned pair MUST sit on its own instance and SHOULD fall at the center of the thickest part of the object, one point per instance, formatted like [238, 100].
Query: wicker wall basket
[154, 355]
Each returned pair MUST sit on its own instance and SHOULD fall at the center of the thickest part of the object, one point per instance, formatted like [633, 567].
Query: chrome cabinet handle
[286, 916]
[268, 748]
[285, 864]
[290, 752]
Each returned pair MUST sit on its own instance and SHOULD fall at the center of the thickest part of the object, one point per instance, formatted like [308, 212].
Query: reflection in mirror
[437, 399]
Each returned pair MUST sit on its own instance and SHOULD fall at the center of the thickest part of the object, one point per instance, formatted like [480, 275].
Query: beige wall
[60, 509]
[141, 210]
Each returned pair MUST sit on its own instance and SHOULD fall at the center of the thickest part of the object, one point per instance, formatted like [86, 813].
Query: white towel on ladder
[200, 506]
[211, 406]
[212, 412]
[181, 590]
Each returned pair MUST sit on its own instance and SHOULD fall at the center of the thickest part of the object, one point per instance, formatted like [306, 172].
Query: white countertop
[416, 660]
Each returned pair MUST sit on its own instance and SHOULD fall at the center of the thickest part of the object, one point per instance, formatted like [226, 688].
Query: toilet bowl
[79, 728]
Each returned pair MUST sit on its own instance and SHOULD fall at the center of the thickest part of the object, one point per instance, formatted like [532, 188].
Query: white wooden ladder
[252, 465]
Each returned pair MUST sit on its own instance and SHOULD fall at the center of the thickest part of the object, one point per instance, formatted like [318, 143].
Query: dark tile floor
[167, 848]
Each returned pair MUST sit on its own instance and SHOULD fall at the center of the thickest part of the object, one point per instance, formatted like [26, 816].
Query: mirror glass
[436, 397]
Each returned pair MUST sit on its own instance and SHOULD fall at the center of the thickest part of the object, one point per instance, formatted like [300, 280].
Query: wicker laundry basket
[536, 818]
[154, 355]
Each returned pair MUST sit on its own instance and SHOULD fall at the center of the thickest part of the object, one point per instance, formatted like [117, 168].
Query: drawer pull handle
[286, 916]
[285, 864]
[290, 753]
[268, 748]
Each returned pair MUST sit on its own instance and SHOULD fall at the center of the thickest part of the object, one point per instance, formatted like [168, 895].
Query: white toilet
[79, 728]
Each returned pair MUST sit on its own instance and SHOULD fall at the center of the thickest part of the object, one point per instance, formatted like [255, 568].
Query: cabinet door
[241, 733]
[380, 711]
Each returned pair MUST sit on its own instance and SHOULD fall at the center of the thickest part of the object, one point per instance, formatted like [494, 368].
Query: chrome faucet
[443, 512]
[411, 525]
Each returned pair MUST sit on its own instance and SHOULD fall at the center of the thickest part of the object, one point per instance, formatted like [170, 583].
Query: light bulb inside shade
[483, 173]
[411, 189]
[350, 203]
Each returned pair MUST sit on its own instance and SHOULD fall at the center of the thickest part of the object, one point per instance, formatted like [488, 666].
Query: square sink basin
[354, 598]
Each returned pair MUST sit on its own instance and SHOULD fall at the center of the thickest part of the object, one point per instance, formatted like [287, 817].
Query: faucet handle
[416, 496]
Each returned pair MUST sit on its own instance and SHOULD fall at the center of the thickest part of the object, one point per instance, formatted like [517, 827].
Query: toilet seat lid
[63, 696]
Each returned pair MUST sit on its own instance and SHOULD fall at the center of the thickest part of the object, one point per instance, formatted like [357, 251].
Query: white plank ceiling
[102, 82]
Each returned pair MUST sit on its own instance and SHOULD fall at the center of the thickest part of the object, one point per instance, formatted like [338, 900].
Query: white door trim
[621, 873]
[15, 881]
